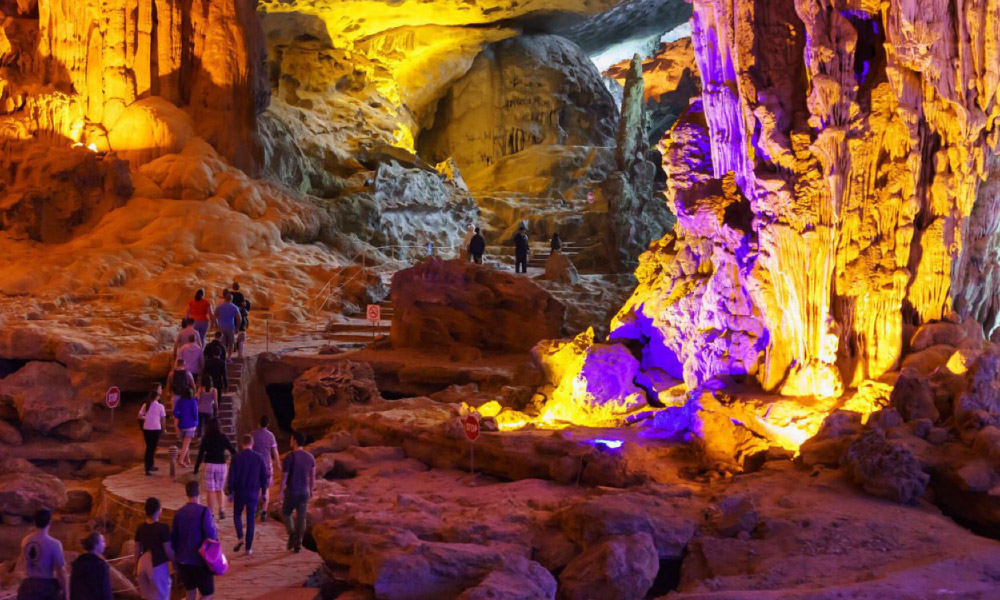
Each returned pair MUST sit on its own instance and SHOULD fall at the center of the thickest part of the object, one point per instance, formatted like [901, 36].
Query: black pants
[152, 437]
[477, 258]
[521, 264]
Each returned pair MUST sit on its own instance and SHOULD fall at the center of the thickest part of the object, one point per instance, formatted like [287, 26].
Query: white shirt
[151, 416]
[194, 357]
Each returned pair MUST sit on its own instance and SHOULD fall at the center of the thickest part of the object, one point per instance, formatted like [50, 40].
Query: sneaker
[155, 469]
[297, 549]
[249, 552]
[148, 474]
[263, 515]
[289, 544]
[239, 544]
[222, 515]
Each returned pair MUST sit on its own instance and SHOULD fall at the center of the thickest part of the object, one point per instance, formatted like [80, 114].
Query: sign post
[472, 433]
[113, 398]
[374, 314]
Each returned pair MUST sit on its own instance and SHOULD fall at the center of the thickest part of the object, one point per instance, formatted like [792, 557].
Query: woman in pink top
[200, 309]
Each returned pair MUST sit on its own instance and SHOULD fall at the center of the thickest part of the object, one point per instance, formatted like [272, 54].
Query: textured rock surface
[618, 568]
[46, 402]
[440, 304]
[885, 469]
[321, 390]
[24, 488]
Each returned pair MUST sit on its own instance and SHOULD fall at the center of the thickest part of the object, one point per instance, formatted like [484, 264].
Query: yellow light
[490, 409]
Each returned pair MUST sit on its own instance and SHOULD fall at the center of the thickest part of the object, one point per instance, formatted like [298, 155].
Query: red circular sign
[113, 397]
[374, 313]
[472, 428]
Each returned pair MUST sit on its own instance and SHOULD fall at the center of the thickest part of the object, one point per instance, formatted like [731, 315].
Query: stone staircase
[359, 331]
[227, 412]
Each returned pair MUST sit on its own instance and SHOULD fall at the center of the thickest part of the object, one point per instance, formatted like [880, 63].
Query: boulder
[558, 267]
[885, 469]
[734, 515]
[913, 397]
[148, 129]
[45, 401]
[624, 514]
[839, 429]
[537, 584]
[439, 304]
[968, 334]
[618, 568]
[10, 435]
[24, 489]
[322, 390]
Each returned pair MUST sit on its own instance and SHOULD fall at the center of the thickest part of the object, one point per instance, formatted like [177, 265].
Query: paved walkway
[273, 573]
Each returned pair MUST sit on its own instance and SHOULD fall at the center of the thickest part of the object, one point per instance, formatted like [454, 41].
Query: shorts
[270, 475]
[187, 433]
[215, 477]
[197, 577]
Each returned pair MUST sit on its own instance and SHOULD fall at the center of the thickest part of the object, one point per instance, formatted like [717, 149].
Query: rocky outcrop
[531, 90]
[440, 304]
[24, 489]
[45, 401]
[558, 267]
[885, 469]
[618, 568]
[335, 387]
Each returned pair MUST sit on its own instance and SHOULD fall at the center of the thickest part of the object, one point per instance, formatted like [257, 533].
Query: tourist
[215, 363]
[193, 524]
[556, 244]
[265, 445]
[213, 453]
[521, 249]
[200, 311]
[477, 246]
[246, 483]
[153, 550]
[469, 234]
[153, 416]
[186, 414]
[193, 356]
[90, 578]
[186, 335]
[228, 317]
[44, 563]
[241, 302]
[296, 489]
[208, 402]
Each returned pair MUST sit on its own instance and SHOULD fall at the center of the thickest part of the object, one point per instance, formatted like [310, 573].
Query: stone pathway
[272, 573]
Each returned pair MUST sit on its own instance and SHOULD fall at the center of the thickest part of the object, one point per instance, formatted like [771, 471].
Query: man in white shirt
[153, 416]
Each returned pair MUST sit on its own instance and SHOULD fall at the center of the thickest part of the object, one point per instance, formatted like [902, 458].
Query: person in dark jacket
[247, 481]
[477, 247]
[556, 244]
[521, 250]
[90, 578]
[215, 363]
[213, 453]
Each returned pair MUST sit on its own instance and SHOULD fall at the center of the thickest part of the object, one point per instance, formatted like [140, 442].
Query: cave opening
[9, 366]
[282, 403]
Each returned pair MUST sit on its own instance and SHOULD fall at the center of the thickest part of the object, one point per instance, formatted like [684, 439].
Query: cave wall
[859, 134]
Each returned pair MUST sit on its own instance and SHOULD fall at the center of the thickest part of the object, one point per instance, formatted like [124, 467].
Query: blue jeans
[202, 328]
[249, 503]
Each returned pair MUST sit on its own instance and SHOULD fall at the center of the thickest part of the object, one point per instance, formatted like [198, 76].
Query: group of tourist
[157, 545]
[474, 247]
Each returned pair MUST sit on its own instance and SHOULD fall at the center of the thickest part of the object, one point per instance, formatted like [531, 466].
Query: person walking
[90, 576]
[555, 244]
[247, 481]
[477, 246]
[296, 488]
[194, 358]
[153, 550]
[193, 524]
[266, 446]
[213, 453]
[521, 249]
[228, 317]
[215, 363]
[469, 234]
[153, 417]
[208, 403]
[44, 563]
[185, 410]
[199, 310]
[186, 335]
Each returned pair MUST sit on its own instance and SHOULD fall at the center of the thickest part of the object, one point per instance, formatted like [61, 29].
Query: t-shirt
[151, 537]
[263, 442]
[193, 356]
[151, 415]
[193, 524]
[42, 555]
[198, 309]
[187, 336]
[206, 402]
[227, 314]
[297, 467]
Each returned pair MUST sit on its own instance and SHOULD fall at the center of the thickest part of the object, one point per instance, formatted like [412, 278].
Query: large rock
[440, 304]
[884, 468]
[526, 91]
[618, 568]
[537, 584]
[558, 267]
[913, 396]
[24, 488]
[149, 129]
[46, 402]
[10, 435]
[321, 391]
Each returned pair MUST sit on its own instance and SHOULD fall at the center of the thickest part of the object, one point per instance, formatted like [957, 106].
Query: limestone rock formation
[45, 401]
[618, 568]
[440, 304]
[322, 390]
[883, 468]
[24, 489]
[558, 267]
[531, 90]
